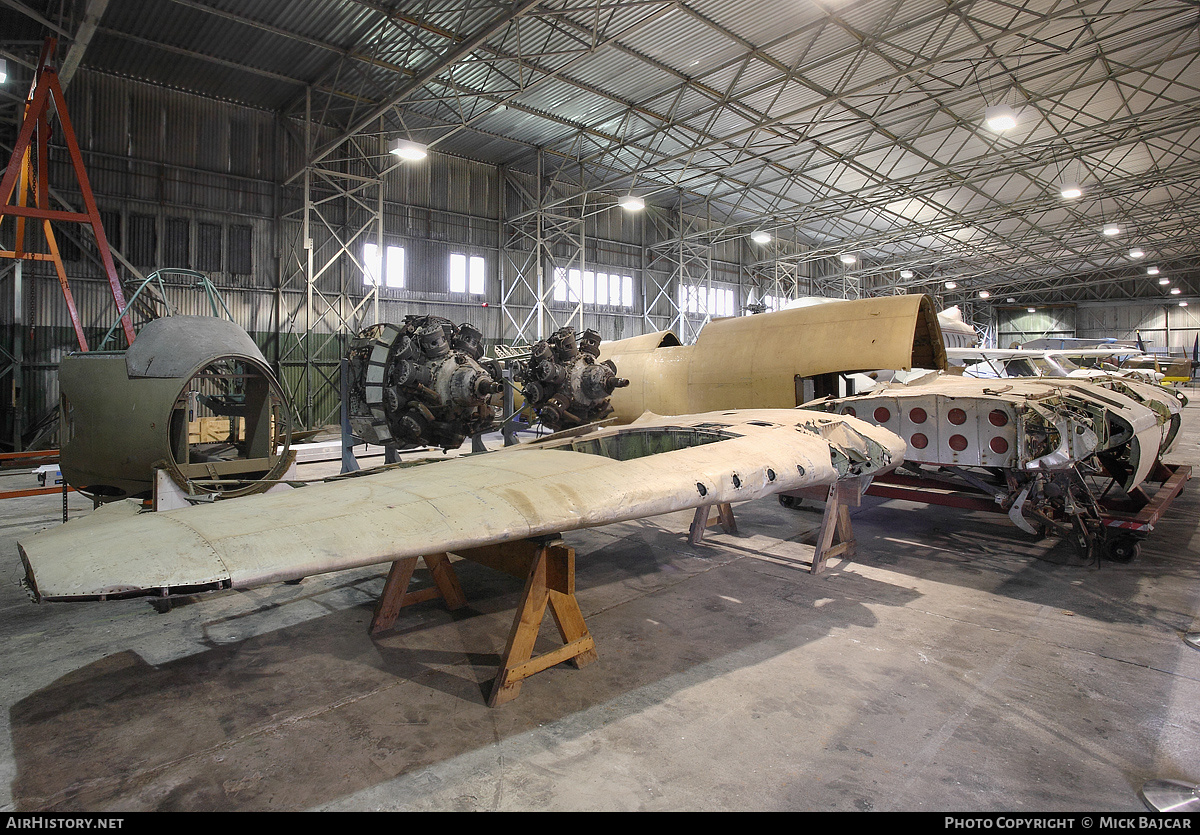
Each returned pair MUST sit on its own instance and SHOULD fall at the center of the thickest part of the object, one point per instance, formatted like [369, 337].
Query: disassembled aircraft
[571, 480]
[774, 360]
[1023, 440]
[1027, 442]
[1084, 363]
[127, 413]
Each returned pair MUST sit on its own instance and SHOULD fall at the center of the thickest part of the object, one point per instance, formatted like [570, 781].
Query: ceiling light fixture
[847, 258]
[3, 71]
[1137, 252]
[1031, 310]
[631, 203]
[1164, 281]
[1151, 270]
[760, 237]
[409, 150]
[1175, 291]
[1183, 304]
[950, 285]
[1111, 229]
[1000, 117]
[1071, 191]
[984, 294]
[906, 274]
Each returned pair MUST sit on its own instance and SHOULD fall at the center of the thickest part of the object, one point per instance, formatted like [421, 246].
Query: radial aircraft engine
[423, 382]
[564, 384]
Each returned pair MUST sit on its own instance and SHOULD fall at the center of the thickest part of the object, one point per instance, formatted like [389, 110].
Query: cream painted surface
[526, 490]
[751, 362]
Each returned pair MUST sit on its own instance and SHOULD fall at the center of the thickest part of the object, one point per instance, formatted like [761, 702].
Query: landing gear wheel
[1123, 549]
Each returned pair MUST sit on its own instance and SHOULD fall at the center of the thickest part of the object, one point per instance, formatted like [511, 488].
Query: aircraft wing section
[580, 479]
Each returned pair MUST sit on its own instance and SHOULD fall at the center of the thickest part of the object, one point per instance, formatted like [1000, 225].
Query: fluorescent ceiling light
[631, 203]
[1137, 252]
[906, 273]
[984, 294]
[847, 258]
[409, 150]
[1071, 191]
[1111, 229]
[1000, 117]
[1151, 270]
[760, 237]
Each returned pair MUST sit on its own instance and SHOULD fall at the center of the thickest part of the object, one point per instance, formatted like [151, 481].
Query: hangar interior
[626, 167]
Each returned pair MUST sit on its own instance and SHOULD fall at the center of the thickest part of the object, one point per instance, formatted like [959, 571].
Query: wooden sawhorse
[705, 518]
[546, 564]
[835, 537]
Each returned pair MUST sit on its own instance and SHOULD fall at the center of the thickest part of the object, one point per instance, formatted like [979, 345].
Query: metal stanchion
[1170, 796]
[1173, 795]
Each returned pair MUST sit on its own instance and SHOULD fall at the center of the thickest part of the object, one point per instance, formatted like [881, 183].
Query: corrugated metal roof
[824, 113]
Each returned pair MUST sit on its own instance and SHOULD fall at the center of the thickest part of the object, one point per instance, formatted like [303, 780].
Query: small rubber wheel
[1123, 549]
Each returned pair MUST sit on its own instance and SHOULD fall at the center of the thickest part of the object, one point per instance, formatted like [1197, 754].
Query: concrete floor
[953, 665]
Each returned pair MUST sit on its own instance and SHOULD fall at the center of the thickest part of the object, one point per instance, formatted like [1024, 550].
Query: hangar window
[143, 240]
[706, 301]
[208, 247]
[467, 274]
[177, 245]
[593, 287]
[241, 250]
[383, 271]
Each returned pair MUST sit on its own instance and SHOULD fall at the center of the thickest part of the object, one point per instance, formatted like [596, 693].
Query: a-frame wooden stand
[705, 518]
[548, 567]
[835, 537]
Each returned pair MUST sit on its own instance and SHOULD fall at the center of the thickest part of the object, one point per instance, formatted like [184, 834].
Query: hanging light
[1111, 229]
[760, 236]
[1000, 117]
[1137, 252]
[1183, 304]
[631, 203]
[848, 258]
[1175, 291]
[409, 150]
[1164, 281]
[1151, 270]
[950, 285]
[3, 71]
[1071, 191]
[906, 274]
[984, 294]
[1031, 310]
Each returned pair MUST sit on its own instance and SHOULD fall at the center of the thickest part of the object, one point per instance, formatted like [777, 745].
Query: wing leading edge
[653, 466]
